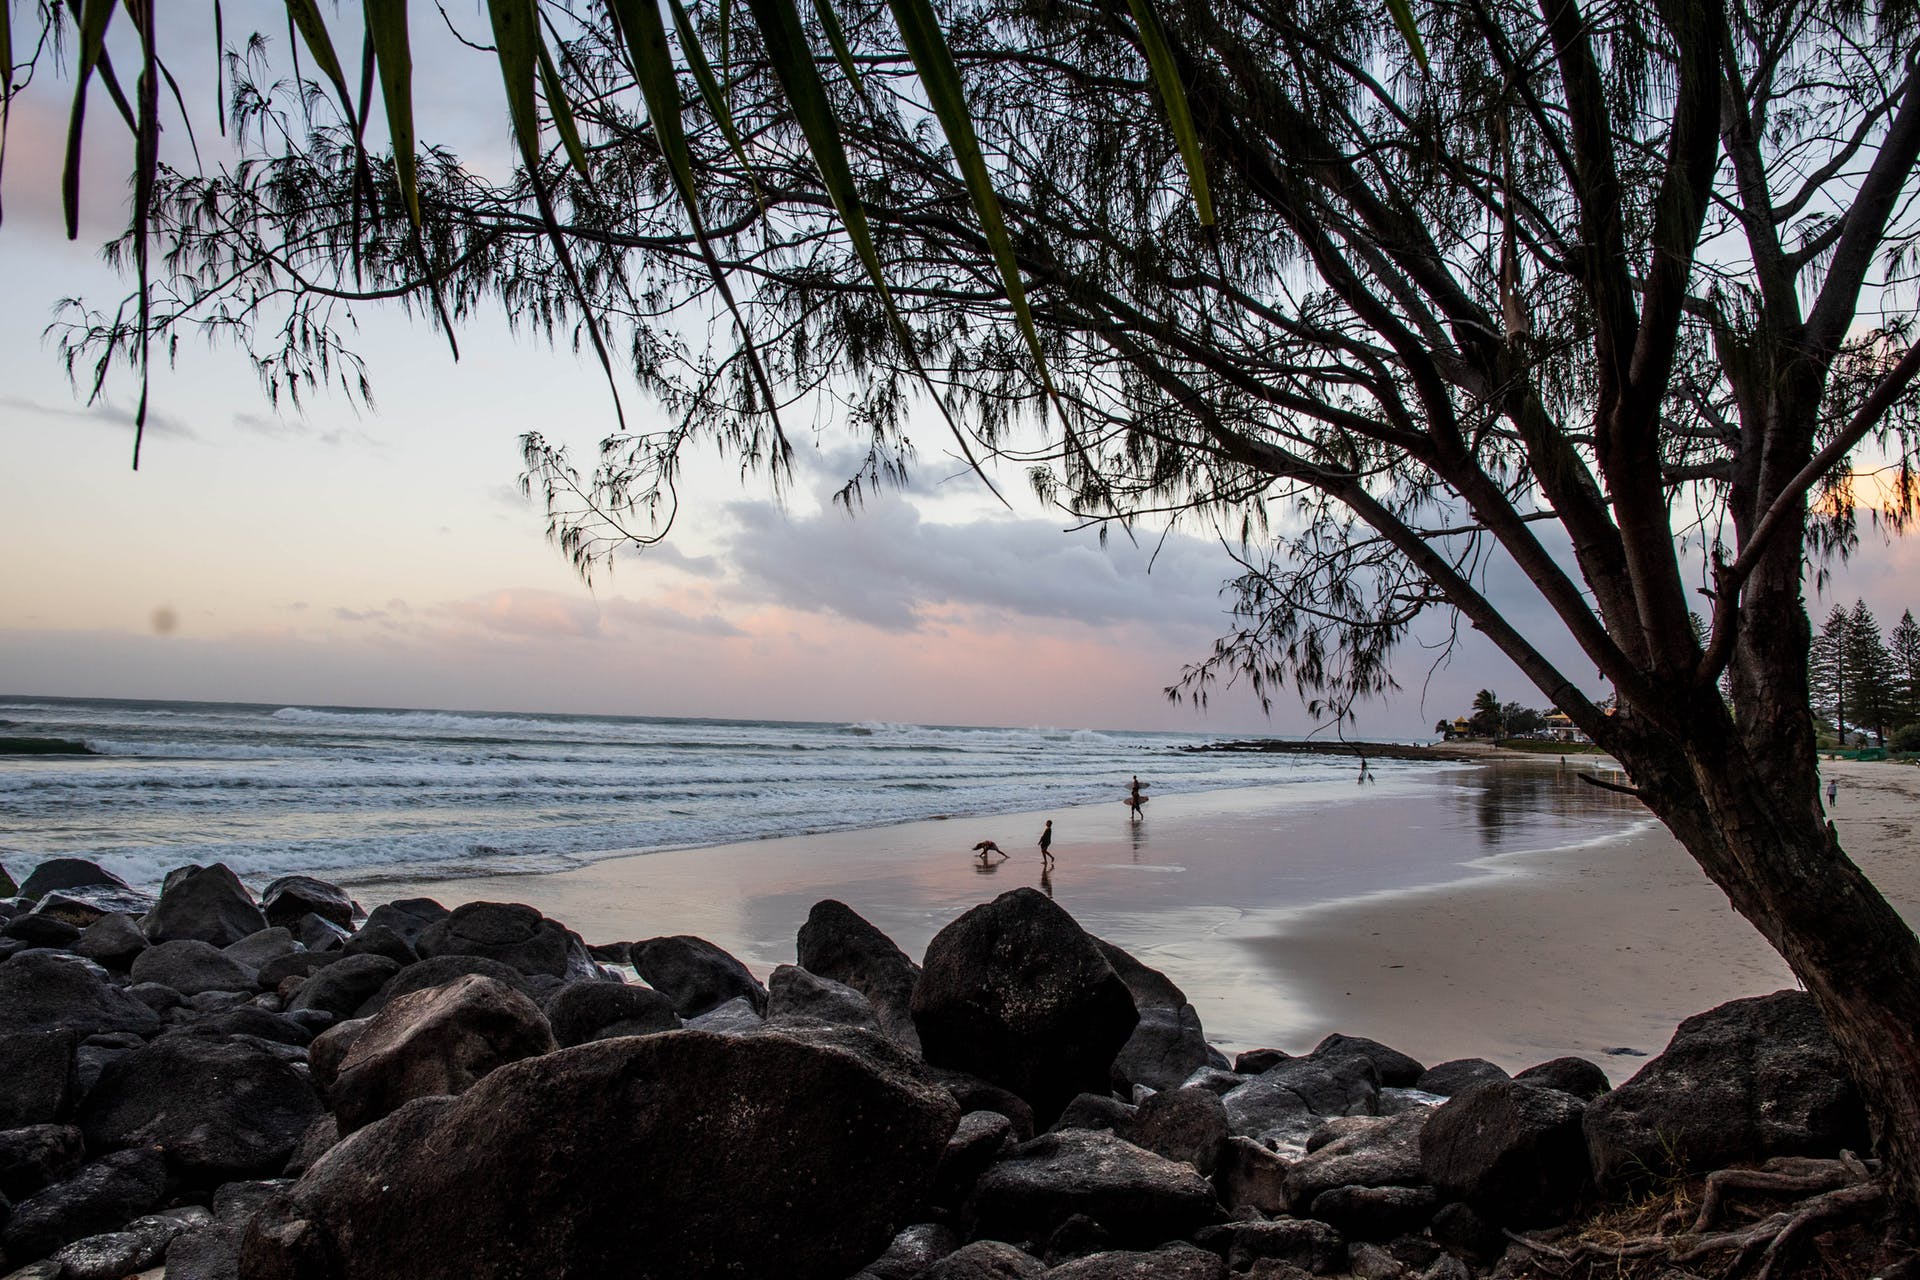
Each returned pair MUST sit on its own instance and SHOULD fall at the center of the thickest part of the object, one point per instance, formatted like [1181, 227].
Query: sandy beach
[1503, 911]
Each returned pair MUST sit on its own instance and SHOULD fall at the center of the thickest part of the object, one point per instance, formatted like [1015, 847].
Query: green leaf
[837, 40]
[516, 40]
[1403, 18]
[387, 28]
[305, 15]
[94, 16]
[562, 111]
[710, 90]
[927, 46]
[1166, 77]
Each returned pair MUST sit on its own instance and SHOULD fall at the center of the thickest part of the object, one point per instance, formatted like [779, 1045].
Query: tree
[1596, 292]
[1872, 669]
[1905, 653]
[1516, 719]
[1830, 676]
[1485, 719]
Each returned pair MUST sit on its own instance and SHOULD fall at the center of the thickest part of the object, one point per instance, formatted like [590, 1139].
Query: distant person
[987, 849]
[1046, 844]
[1137, 797]
[1833, 790]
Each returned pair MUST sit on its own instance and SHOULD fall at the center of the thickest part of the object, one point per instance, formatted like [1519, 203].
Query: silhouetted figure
[1046, 845]
[1137, 797]
[987, 847]
[1833, 790]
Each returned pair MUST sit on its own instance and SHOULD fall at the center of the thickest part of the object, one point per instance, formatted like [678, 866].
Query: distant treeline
[1866, 684]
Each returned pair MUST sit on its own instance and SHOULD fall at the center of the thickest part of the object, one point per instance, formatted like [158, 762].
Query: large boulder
[67, 873]
[1382, 1153]
[37, 1156]
[595, 1010]
[985, 1260]
[113, 940]
[796, 995]
[106, 1194]
[1180, 1124]
[1286, 1103]
[696, 975]
[191, 967]
[1748, 1080]
[290, 897]
[82, 905]
[1138, 1198]
[1176, 1261]
[1395, 1069]
[343, 986]
[436, 972]
[208, 904]
[219, 1109]
[272, 943]
[837, 942]
[1577, 1076]
[1016, 992]
[408, 917]
[37, 930]
[1461, 1074]
[649, 1157]
[1168, 1044]
[513, 934]
[441, 1040]
[1512, 1151]
[37, 1077]
[45, 991]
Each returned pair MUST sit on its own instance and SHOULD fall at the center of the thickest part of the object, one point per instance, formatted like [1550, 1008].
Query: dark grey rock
[290, 897]
[380, 940]
[113, 940]
[734, 1018]
[1376, 1213]
[1136, 1196]
[796, 995]
[101, 1196]
[1180, 1124]
[1384, 1154]
[1176, 1261]
[83, 905]
[408, 917]
[257, 949]
[1514, 1152]
[1395, 1069]
[1253, 1062]
[1312, 1246]
[580, 1155]
[513, 934]
[1457, 1226]
[211, 1252]
[913, 1250]
[252, 1020]
[1215, 1080]
[837, 943]
[345, 985]
[66, 873]
[192, 967]
[1458, 1076]
[974, 1094]
[1167, 1046]
[208, 904]
[330, 1048]
[156, 997]
[37, 1156]
[439, 1041]
[986, 1260]
[437, 972]
[237, 1202]
[980, 1139]
[46, 991]
[1286, 1103]
[317, 933]
[1093, 1111]
[300, 964]
[137, 1246]
[696, 975]
[1077, 1237]
[38, 1080]
[1584, 1080]
[1248, 1176]
[220, 1110]
[1748, 1080]
[594, 1010]
[322, 1136]
[1016, 992]
[37, 930]
[7, 886]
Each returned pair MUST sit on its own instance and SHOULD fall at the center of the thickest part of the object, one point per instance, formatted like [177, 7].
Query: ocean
[271, 789]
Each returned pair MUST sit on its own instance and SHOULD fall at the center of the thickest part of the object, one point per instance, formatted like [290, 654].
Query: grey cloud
[660, 618]
[103, 414]
[360, 615]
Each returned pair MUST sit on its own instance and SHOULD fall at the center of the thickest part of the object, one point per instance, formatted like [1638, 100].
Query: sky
[333, 556]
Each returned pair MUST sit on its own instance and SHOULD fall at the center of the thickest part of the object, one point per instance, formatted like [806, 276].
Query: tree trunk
[1783, 870]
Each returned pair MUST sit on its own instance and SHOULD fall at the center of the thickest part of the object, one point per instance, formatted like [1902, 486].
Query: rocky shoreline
[225, 1085]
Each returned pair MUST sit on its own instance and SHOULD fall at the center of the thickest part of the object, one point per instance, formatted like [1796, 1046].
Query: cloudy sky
[329, 556]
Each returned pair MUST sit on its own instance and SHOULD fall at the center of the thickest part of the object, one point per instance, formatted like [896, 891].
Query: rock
[1137, 1197]
[290, 897]
[914, 1250]
[1748, 1080]
[1215, 1080]
[252, 1020]
[515, 935]
[437, 1041]
[1015, 992]
[330, 1048]
[257, 949]
[322, 1136]
[300, 964]
[734, 1018]
[1180, 1124]
[795, 995]
[1166, 1047]
[191, 967]
[610, 953]
[1394, 1069]
[595, 1010]
[85, 904]
[838, 944]
[437, 972]
[1386, 1154]
[978, 1141]
[208, 905]
[1449, 1078]
[974, 1094]
[1248, 1176]
[345, 985]
[1286, 1103]
[1395, 1101]
[45, 991]
[66, 873]
[219, 1110]
[409, 917]
[37, 930]
[120, 1253]
[1177, 1261]
[714, 1155]
[985, 1260]
[696, 975]
[379, 940]
[1312, 1246]
[1375, 1213]
[211, 1252]
[317, 933]
[38, 1080]
[236, 1202]
[7, 886]
[1093, 1111]
[1253, 1062]
[37, 1156]
[1584, 1080]
[113, 940]
[106, 1194]
[1457, 1226]
[1514, 1152]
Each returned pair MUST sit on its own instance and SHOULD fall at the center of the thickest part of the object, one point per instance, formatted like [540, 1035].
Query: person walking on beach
[1046, 844]
[1136, 797]
[1833, 790]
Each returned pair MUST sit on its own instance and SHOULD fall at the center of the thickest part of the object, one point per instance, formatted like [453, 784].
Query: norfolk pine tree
[1596, 291]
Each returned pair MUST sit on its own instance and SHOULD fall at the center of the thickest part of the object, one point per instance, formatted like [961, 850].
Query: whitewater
[271, 789]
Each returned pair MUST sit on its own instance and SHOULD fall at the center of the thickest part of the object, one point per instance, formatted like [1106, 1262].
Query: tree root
[1842, 1191]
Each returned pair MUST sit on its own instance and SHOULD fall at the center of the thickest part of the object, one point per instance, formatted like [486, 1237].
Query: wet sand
[1555, 918]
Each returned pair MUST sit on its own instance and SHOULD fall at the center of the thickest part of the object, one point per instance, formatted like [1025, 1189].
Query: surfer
[1137, 797]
